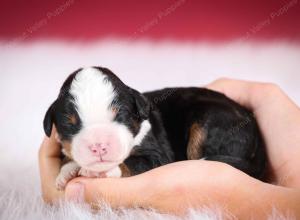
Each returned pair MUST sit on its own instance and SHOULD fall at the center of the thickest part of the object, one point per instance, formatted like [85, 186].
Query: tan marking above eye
[114, 110]
[72, 119]
[197, 137]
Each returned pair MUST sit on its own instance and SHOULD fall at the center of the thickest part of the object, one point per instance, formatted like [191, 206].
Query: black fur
[59, 111]
[155, 149]
[233, 136]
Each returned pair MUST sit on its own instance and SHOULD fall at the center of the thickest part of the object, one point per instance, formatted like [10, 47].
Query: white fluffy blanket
[31, 75]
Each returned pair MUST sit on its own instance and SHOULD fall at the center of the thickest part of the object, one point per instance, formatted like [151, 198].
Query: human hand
[176, 187]
[50, 163]
[279, 121]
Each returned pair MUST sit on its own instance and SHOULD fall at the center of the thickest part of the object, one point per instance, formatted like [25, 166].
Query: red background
[191, 20]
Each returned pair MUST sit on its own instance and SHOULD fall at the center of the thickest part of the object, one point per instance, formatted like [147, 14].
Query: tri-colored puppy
[107, 129]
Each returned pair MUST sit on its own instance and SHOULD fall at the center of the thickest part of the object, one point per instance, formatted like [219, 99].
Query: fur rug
[32, 73]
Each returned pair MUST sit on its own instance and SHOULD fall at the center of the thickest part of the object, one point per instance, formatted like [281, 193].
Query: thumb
[114, 191]
[238, 90]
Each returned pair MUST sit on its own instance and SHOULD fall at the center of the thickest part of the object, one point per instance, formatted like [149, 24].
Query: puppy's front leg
[67, 172]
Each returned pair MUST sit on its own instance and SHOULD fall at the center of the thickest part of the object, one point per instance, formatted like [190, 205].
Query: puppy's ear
[142, 104]
[49, 119]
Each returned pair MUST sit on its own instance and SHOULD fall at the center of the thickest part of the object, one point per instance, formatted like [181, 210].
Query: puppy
[107, 129]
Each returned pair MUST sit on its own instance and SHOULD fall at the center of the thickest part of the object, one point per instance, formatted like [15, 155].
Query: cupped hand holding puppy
[176, 187]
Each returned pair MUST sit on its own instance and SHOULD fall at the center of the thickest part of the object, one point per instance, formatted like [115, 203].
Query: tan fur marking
[136, 125]
[72, 119]
[114, 110]
[125, 170]
[66, 145]
[196, 139]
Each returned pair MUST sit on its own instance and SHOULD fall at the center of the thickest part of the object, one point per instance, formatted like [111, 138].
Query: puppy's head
[98, 118]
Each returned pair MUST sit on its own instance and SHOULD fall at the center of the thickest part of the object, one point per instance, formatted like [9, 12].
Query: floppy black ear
[142, 104]
[48, 120]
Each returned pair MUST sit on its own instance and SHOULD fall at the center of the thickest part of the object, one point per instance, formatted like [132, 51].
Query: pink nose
[99, 149]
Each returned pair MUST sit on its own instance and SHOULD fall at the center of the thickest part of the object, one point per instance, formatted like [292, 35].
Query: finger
[50, 147]
[49, 170]
[138, 190]
[147, 188]
[238, 90]
[49, 164]
[161, 189]
[118, 192]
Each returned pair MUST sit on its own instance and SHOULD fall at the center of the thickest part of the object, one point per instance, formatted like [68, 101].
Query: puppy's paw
[67, 172]
[61, 181]
[89, 173]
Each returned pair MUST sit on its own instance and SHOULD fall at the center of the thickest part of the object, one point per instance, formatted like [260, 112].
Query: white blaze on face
[101, 143]
[93, 95]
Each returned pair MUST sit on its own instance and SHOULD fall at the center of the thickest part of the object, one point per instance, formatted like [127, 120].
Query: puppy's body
[109, 129]
[201, 123]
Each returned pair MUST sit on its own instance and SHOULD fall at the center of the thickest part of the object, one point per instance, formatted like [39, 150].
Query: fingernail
[75, 192]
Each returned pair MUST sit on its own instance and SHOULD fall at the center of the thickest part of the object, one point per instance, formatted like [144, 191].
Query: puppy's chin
[101, 166]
